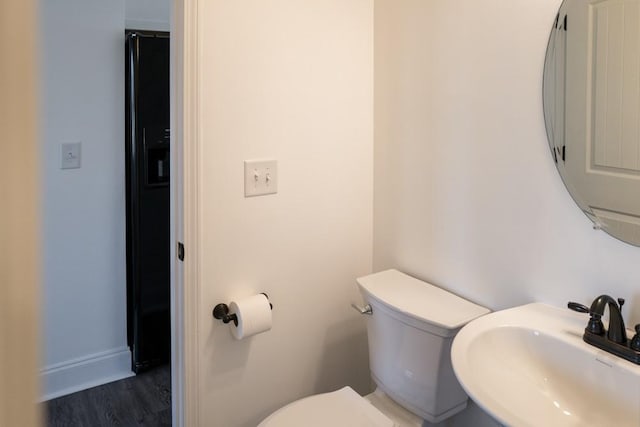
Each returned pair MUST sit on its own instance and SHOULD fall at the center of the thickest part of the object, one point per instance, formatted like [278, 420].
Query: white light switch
[70, 155]
[260, 177]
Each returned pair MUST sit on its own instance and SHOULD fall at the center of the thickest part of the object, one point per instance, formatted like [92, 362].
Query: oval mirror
[591, 97]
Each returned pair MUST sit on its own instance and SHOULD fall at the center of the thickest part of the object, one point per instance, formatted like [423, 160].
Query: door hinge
[180, 251]
[560, 152]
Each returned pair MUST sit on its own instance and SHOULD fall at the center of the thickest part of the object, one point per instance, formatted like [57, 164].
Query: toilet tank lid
[420, 300]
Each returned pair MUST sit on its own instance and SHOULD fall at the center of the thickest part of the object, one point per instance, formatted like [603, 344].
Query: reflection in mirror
[591, 101]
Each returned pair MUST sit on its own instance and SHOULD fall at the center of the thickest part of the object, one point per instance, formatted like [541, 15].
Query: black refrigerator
[147, 193]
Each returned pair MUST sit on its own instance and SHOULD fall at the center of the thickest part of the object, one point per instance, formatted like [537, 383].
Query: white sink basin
[528, 366]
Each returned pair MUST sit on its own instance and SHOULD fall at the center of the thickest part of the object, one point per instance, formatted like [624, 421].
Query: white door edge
[185, 186]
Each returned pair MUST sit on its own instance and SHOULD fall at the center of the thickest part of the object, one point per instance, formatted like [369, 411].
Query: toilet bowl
[343, 407]
[410, 328]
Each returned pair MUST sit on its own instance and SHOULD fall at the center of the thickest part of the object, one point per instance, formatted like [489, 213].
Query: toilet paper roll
[254, 316]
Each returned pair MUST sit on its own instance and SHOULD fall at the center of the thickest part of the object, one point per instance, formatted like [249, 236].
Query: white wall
[293, 81]
[148, 14]
[83, 210]
[466, 194]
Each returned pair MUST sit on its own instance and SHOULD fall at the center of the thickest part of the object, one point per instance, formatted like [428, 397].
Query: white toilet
[410, 331]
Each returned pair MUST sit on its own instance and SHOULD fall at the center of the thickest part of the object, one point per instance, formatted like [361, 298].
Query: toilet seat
[341, 408]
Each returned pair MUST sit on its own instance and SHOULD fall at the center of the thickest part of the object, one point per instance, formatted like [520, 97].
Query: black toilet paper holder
[221, 311]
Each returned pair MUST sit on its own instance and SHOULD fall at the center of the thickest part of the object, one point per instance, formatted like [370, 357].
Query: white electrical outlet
[260, 177]
[70, 154]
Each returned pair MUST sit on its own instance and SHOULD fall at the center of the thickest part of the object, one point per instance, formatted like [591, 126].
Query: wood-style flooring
[142, 400]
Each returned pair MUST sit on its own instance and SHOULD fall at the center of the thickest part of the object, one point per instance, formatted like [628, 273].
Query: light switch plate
[70, 155]
[260, 177]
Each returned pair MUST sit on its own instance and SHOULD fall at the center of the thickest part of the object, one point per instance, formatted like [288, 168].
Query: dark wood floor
[143, 400]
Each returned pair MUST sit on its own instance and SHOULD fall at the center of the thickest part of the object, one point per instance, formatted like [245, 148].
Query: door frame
[19, 216]
[185, 215]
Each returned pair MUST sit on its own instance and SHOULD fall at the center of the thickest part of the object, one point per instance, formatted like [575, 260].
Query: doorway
[84, 303]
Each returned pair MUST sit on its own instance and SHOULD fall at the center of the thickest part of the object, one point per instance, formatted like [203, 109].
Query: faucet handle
[621, 302]
[576, 306]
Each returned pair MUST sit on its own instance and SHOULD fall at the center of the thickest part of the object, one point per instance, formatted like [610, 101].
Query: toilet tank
[410, 332]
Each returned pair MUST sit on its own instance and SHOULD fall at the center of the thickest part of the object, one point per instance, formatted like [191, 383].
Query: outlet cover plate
[70, 155]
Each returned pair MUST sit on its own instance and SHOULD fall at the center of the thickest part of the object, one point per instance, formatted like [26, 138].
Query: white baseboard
[85, 372]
